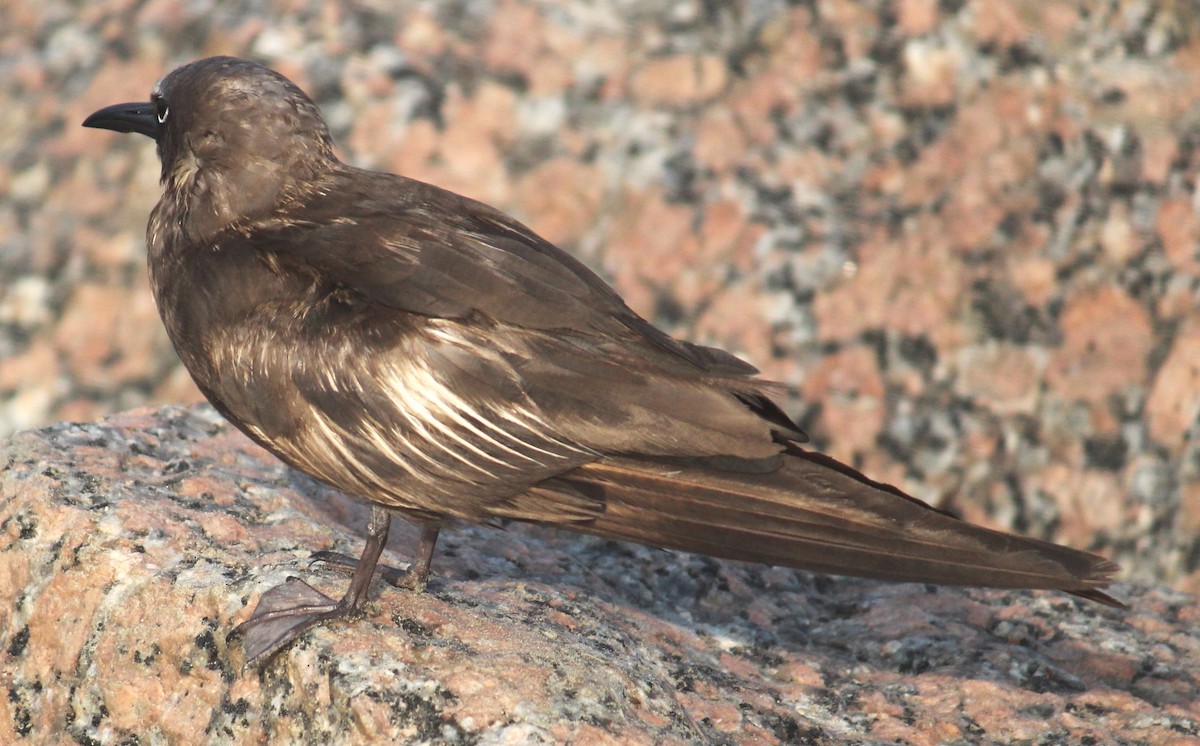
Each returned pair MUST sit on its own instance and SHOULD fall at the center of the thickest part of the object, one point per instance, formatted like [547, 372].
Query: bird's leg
[414, 578]
[418, 572]
[287, 610]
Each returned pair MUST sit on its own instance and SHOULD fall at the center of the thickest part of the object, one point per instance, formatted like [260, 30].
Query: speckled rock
[131, 547]
[966, 231]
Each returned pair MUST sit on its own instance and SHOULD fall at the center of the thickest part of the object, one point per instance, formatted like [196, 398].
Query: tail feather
[817, 514]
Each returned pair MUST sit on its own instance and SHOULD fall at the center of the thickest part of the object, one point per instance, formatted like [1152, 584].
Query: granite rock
[130, 547]
[964, 231]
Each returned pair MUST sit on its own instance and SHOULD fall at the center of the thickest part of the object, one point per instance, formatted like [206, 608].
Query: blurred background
[966, 232]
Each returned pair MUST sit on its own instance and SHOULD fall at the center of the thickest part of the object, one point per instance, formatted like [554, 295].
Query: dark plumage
[435, 357]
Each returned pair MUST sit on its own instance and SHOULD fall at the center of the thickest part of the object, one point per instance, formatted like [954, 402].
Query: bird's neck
[201, 199]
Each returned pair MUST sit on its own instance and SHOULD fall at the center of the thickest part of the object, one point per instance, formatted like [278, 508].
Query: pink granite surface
[966, 232]
[129, 548]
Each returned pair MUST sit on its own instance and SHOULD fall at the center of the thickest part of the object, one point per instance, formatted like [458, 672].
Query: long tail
[817, 514]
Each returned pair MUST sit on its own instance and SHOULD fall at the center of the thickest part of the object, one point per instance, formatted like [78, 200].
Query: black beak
[135, 117]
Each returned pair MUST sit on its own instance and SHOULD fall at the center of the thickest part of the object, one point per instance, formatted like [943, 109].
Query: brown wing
[455, 417]
[497, 302]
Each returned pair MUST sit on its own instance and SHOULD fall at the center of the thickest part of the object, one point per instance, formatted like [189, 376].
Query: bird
[436, 358]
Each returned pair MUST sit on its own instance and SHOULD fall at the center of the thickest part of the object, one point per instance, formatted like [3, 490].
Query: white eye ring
[162, 115]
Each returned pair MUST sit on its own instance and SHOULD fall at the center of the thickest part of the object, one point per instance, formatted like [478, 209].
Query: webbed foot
[286, 611]
[283, 613]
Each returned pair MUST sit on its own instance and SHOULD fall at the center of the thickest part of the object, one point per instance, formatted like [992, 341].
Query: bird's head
[235, 138]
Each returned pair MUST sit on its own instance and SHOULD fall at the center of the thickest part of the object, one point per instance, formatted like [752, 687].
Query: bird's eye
[161, 109]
